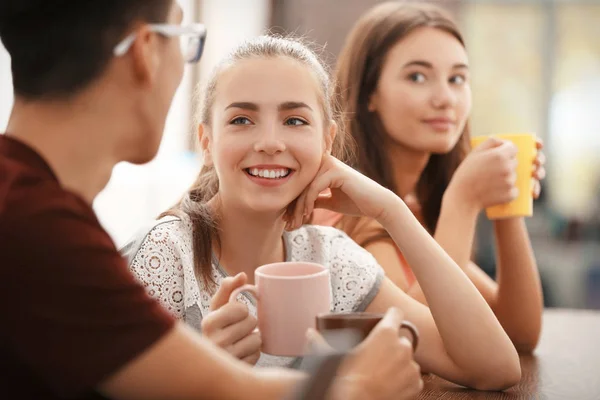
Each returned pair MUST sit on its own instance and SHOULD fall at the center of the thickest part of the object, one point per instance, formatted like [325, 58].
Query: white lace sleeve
[155, 259]
[355, 274]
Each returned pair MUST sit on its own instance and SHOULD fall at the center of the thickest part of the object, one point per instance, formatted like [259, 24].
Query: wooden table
[565, 365]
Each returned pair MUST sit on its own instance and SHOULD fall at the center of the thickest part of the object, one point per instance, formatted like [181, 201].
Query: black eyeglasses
[192, 39]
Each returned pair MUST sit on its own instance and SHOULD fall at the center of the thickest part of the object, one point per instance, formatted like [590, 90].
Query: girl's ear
[330, 136]
[205, 142]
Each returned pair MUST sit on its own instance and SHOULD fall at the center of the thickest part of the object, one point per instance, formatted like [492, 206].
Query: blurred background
[535, 67]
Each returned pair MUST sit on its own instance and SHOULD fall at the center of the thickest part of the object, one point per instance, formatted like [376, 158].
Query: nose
[443, 96]
[269, 141]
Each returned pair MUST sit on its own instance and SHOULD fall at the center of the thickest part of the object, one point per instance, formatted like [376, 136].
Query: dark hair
[358, 71]
[59, 47]
[194, 203]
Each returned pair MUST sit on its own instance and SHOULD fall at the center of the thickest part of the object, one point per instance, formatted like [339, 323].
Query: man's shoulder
[25, 195]
[37, 213]
[25, 178]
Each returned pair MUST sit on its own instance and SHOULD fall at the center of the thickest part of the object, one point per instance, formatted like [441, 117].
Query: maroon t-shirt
[71, 314]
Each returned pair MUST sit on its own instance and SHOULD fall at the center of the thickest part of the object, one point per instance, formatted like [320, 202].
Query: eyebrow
[427, 64]
[285, 106]
[292, 105]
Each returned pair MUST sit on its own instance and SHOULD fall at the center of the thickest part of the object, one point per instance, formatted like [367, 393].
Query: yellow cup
[522, 206]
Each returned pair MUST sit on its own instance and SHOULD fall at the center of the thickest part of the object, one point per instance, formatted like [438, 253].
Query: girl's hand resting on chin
[351, 193]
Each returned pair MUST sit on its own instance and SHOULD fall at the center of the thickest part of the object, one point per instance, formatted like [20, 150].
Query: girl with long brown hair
[403, 89]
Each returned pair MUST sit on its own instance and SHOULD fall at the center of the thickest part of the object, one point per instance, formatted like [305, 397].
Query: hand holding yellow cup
[522, 206]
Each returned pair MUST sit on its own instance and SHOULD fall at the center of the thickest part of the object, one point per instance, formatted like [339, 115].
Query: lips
[441, 120]
[269, 173]
[440, 124]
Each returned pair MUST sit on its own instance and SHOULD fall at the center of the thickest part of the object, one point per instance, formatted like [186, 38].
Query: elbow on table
[499, 378]
[526, 344]
[524, 333]
[526, 347]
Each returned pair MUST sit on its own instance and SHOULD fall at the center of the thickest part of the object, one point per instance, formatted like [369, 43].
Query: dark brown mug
[362, 323]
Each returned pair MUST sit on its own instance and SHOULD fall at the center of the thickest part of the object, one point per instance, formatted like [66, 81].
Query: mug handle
[413, 331]
[246, 288]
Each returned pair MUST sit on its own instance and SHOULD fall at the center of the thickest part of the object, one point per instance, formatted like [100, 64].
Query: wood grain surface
[565, 365]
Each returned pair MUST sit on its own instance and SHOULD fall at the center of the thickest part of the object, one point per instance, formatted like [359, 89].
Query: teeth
[269, 173]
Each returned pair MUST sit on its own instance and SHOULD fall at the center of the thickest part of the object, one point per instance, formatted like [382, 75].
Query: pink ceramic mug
[289, 295]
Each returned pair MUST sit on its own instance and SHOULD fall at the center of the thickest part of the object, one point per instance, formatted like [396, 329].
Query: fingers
[489, 143]
[539, 172]
[247, 347]
[510, 179]
[507, 155]
[317, 343]
[508, 149]
[414, 381]
[404, 357]
[512, 194]
[325, 201]
[299, 210]
[383, 364]
[252, 359]
[229, 315]
[233, 332]
[228, 285]
[288, 217]
[327, 180]
[405, 342]
[387, 329]
[392, 319]
[306, 201]
[537, 189]
[540, 158]
[539, 143]
[504, 194]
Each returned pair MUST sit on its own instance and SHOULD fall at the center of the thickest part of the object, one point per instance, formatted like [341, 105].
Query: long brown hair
[358, 71]
[194, 202]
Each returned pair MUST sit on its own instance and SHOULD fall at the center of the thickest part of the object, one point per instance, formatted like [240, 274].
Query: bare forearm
[456, 229]
[274, 383]
[184, 366]
[455, 232]
[517, 298]
[455, 315]
[519, 303]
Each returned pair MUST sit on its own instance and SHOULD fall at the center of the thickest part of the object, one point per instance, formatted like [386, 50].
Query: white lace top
[161, 257]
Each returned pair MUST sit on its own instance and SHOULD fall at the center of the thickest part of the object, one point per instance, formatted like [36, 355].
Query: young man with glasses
[93, 83]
